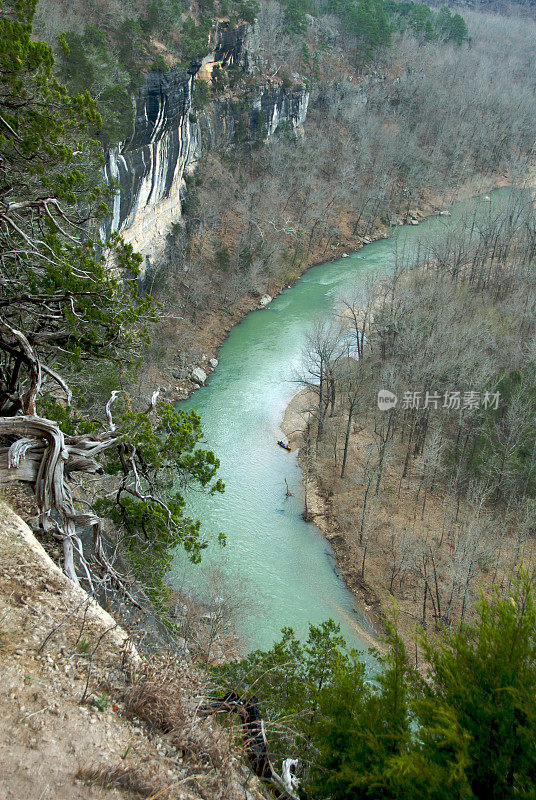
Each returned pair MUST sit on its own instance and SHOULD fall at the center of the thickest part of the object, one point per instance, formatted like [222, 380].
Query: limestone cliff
[149, 168]
[257, 114]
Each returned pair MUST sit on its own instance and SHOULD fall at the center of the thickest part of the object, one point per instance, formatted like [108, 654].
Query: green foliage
[223, 258]
[131, 45]
[288, 680]
[101, 702]
[465, 732]
[245, 259]
[190, 201]
[426, 24]
[158, 63]
[161, 16]
[451, 28]
[247, 9]
[484, 677]
[201, 94]
[286, 81]
[77, 307]
[111, 66]
[359, 728]
[194, 39]
[372, 22]
[46, 152]
[71, 421]
[368, 22]
[219, 79]
[295, 16]
[421, 23]
[285, 128]
[170, 461]
[83, 646]
[85, 63]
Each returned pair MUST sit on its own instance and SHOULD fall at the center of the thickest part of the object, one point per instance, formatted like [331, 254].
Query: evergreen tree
[369, 24]
[68, 301]
[360, 728]
[465, 731]
[484, 678]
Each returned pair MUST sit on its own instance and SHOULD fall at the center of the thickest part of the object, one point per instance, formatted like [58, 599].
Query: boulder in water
[213, 363]
[199, 376]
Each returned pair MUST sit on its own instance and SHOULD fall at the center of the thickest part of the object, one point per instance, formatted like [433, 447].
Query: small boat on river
[283, 445]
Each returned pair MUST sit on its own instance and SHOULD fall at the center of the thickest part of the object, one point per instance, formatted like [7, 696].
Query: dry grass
[167, 694]
[156, 696]
[132, 778]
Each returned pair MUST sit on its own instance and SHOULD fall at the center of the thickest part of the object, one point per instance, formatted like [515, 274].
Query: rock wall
[167, 141]
[257, 114]
[149, 168]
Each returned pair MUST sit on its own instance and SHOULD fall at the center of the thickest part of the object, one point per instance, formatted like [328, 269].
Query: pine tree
[484, 679]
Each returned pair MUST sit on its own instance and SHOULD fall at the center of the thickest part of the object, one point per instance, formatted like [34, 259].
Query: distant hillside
[507, 7]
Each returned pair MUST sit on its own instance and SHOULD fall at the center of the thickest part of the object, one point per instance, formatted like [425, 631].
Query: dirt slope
[48, 631]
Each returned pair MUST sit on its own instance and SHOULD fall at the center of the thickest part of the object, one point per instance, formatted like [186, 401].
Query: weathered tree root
[255, 742]
[44, 457]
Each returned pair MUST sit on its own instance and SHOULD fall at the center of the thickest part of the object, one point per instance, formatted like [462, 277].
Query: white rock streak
[153, 186]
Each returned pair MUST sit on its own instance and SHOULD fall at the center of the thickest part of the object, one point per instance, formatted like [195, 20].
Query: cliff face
[167, 141]
[149, 168]
[258, 114]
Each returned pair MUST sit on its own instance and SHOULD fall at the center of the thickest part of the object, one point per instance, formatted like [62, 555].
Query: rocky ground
[82, 714]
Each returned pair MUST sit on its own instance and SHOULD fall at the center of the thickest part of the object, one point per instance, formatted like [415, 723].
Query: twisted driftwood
[43, 456]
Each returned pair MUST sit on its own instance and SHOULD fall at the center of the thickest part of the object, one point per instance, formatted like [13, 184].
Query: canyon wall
[149, 169]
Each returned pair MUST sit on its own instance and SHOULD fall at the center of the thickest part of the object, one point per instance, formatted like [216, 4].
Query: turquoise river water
[281, 563]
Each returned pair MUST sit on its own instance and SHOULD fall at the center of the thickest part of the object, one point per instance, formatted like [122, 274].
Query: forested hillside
[413, 114]
[433, 495]
[236, 144]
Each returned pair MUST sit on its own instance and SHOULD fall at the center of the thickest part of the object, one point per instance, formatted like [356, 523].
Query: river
[281, 563]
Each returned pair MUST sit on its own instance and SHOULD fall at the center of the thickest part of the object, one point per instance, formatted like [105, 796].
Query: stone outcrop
[256, 115]
[199, 376]
[149, 169]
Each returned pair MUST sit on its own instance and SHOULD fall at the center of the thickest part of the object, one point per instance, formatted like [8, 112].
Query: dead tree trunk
[255, 742]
